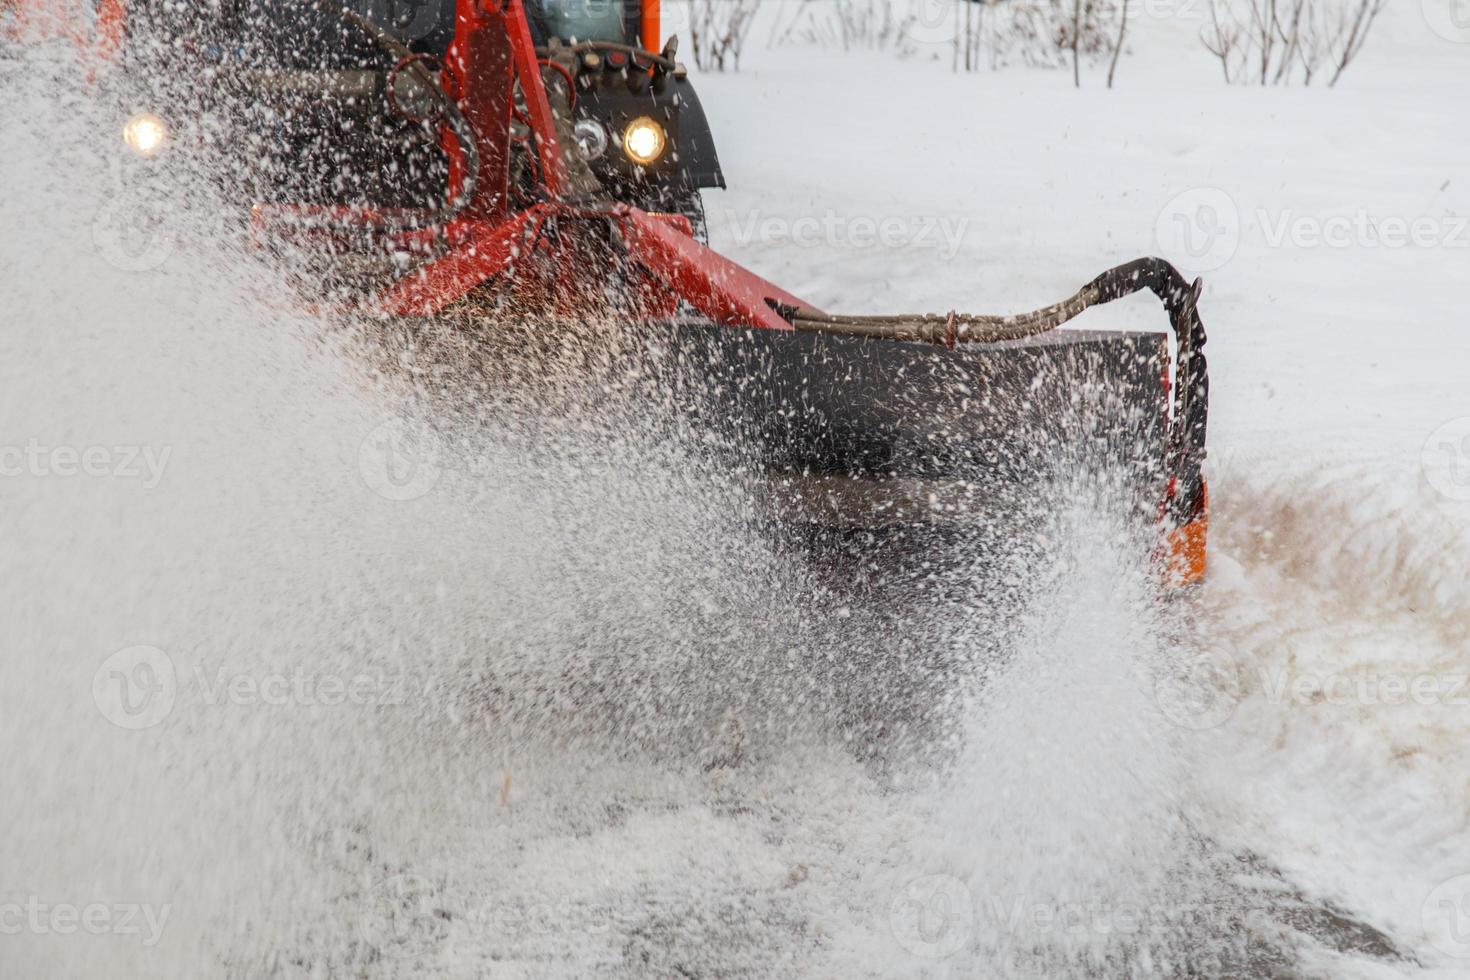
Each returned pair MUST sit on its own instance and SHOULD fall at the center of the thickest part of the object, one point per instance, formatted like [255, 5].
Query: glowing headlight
[145, 134]
[644, 141]
[591, 137]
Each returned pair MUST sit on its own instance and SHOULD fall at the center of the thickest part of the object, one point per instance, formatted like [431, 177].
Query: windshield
[289, 34]
[424, 25]
[581, 20]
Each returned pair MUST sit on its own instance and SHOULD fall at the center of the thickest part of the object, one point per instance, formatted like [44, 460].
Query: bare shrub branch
[1118, 44]
[718, 30]
[875, 25]
[1277, 42]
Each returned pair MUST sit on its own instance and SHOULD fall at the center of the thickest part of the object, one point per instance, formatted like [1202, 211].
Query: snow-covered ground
[1333, 230]
[671, 803]
[1339, 359]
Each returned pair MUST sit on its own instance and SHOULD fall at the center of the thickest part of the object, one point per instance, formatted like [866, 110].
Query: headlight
[145, 134]
[591, 137]
[644, 141]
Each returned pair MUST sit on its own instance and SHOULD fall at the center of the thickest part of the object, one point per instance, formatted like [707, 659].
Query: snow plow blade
[878, 422]
[871, 433]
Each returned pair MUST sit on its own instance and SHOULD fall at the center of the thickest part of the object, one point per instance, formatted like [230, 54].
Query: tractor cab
[286, 34]
[316, 95]
[634, 113]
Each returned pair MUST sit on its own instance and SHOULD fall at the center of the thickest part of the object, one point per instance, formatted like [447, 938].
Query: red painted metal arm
[528, 70]
[112, 18]
[720, 289]
[487, 252]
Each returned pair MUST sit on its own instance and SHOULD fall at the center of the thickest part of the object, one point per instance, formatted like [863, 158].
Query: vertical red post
[528, 70]
[479, 77]
[112, 18]
[648, 19]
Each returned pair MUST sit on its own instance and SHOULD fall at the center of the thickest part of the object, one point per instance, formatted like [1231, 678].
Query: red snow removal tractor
[543, 160]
